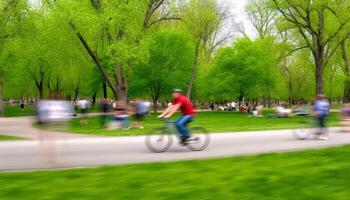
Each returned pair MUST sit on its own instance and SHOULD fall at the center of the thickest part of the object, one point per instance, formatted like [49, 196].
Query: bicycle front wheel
[200, 139]
[159, 141]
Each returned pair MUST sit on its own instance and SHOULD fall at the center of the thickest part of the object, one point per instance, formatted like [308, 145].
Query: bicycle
[162, 138]
[304, 132]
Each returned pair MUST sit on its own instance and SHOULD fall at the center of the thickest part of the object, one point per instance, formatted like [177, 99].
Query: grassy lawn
[16, 111]
[318, 174]
[6, 138]
[213, 121]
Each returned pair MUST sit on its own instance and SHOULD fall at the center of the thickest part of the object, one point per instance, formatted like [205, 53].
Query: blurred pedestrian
[21, 104]
[321, 110]
[105, 108]
[52, 115]
[140, 111]
[121, 116]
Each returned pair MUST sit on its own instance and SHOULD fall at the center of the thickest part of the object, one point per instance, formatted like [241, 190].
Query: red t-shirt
[186, 107]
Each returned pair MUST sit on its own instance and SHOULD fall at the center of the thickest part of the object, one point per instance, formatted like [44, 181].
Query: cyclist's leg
[181, 125]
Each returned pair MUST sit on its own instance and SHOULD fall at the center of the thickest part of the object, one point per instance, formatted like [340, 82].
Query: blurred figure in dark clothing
[105, 108]
[140, 111]
[321, 109]
[21, 104]
[212, 106]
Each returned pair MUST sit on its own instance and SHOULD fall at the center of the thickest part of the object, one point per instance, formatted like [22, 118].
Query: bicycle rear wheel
[200, 139]
[159, 141]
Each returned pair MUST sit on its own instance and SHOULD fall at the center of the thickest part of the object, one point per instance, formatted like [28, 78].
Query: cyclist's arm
[171, 110]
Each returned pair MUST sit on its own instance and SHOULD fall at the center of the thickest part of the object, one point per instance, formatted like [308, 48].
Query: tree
[203, 19]
[123, 23]
[245, 69]
[10, 18]
[346, 69]
[319, 23]
[167, 66]
[262, 17]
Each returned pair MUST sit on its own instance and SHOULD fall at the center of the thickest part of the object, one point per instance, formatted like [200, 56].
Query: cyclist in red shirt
[182, 103]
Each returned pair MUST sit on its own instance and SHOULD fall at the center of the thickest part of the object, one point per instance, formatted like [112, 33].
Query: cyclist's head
[176, 92]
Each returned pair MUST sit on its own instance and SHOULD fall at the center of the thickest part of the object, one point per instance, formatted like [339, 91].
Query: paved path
[79, 150]
[23, 127]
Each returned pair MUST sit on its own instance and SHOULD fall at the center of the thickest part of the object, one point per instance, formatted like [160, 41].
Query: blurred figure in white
[233, 106]
[52, 115]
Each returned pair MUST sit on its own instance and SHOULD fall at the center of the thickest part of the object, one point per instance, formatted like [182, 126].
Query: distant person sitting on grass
[212, 106]
[257, 110]
[283, 111]
[21, 104]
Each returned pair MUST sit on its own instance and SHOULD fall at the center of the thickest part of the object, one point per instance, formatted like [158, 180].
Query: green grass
[6, 138]
[16, 111]
[310, 175]
[213, 121]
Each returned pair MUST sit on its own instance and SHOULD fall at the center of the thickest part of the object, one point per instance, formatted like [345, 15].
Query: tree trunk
[41, 92]
[346, 98]
[240, 100]
[319, 74]
[290, 87]
[1, 99]
[155, 104]
[76, 93]
[122, 84]
[40, 87]
[194, 69]
[94, 99]
[104, 87]
[346, 69]
[95, 59]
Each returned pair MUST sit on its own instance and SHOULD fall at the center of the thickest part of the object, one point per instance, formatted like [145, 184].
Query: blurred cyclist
[188, 113]
[321, 110]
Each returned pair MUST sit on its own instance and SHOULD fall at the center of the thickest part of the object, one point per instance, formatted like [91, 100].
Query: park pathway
[70, 150]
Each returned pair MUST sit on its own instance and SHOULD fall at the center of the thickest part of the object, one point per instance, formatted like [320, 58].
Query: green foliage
[37, 46]
[167, 65]
[246, 69]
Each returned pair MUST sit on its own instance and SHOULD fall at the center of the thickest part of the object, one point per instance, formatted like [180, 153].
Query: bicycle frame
[170, 127]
